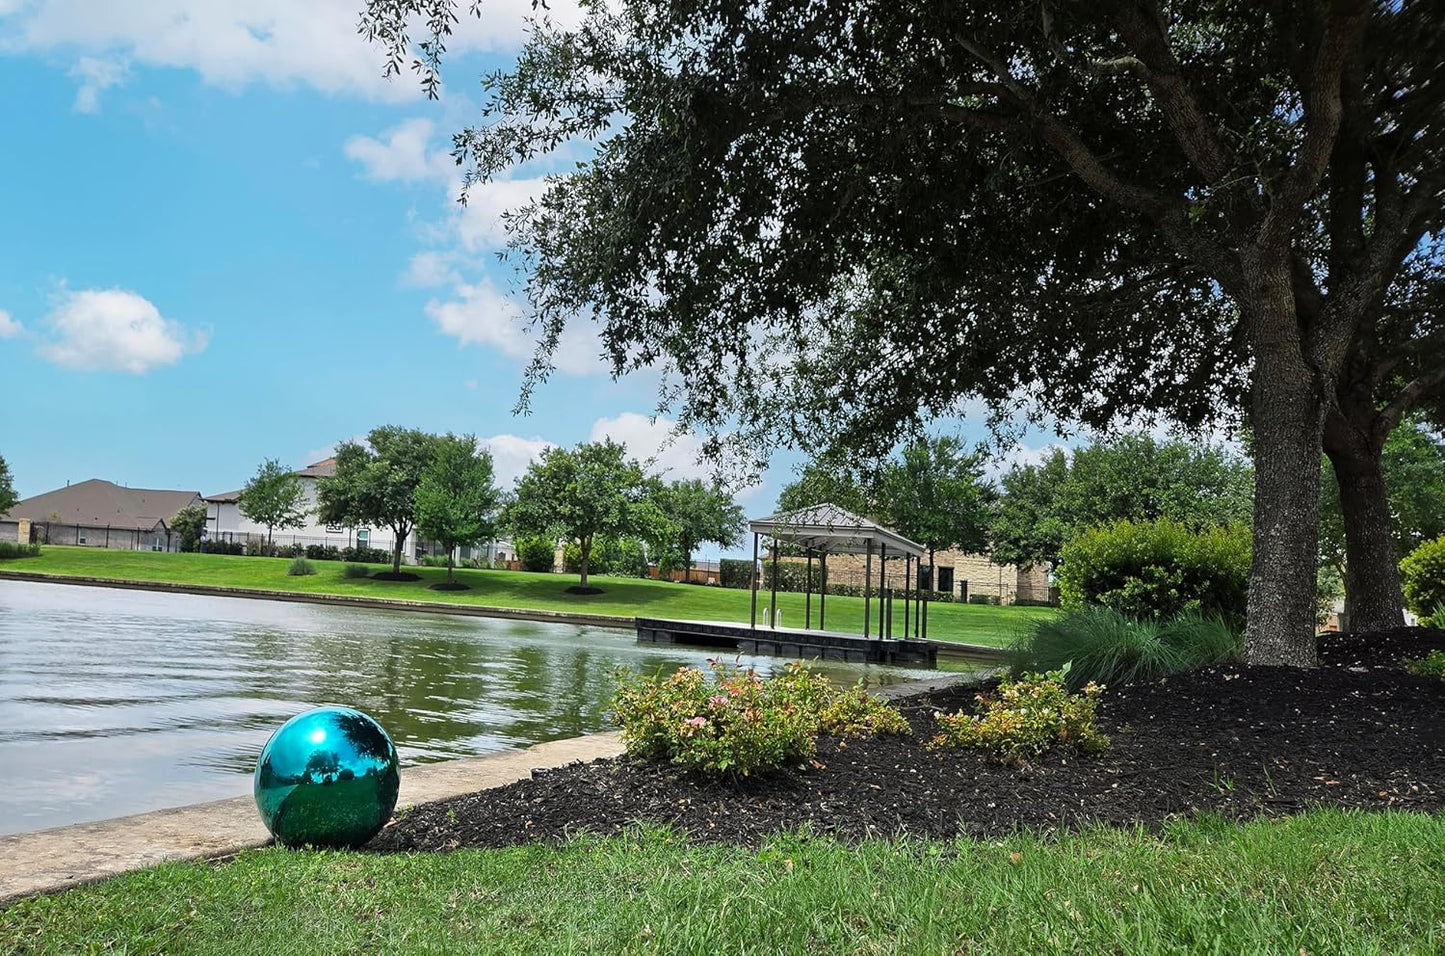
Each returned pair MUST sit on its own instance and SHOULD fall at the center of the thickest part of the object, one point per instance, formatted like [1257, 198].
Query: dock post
[753, 581]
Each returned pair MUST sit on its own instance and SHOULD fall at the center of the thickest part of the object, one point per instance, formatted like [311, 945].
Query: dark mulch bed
[579, 589]
[1380, 648]
[395, 576]
[1240, 741]
[453, 586]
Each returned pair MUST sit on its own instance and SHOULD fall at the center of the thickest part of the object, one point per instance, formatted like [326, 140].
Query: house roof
[99, 503]
[833, 530]
[320, 469]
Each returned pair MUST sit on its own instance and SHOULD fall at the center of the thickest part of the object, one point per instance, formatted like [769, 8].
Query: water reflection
[115, 702]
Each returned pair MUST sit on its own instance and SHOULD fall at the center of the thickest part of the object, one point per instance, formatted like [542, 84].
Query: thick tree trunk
[586, 546]
[1287, 419]
[1374, 599]
[400, 533]
[450, 566]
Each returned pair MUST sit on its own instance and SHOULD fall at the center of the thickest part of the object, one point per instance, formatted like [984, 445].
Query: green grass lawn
[1324, 882]
[623, 597]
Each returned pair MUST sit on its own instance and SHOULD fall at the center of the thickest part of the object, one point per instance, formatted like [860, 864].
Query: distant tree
[456, 502]
[1412, 464]
[580, 494]
[934, 493]
[1129, 477]
[694, 513]
[376, 483]
[190, 524]
[8, 497]
[274, 498]
[819, 483]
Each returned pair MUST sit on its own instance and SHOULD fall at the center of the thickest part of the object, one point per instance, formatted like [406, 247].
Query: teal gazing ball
[328, 777]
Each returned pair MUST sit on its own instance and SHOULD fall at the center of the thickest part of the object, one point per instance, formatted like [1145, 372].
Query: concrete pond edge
[49, 861]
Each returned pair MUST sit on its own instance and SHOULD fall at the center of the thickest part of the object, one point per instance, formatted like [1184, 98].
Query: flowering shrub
[731, 722]
[1431, 665]
[1026, 716]
[857, 713]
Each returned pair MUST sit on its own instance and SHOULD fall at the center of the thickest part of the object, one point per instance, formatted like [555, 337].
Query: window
[925, 578]
[80, 537]
[363, 537]
[158, 543]
[945, 580]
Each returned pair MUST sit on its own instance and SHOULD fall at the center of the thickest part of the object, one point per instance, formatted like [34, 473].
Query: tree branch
[1320, 96]
[1170, 214]
[1411, 395]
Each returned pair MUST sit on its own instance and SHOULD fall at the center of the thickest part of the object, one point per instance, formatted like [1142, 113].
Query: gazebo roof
[833, 530]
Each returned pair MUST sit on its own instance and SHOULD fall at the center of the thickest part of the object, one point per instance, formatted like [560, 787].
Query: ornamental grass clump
[300, 567]
[1026, 717]
[729, 722]
[1431, 665]
[1104, 646]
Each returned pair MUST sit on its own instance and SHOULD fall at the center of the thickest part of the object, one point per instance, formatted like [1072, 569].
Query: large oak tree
[832, 220]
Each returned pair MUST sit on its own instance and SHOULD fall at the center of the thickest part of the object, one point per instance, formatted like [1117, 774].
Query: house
[224, 521]
[100, 514]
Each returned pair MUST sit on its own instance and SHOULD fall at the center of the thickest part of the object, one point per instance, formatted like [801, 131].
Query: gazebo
[825, 529]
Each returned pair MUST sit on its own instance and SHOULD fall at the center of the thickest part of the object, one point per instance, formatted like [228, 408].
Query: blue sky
[225, 237]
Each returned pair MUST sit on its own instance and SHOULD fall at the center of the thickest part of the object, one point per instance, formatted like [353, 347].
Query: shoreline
[337, 600]
[58, 858]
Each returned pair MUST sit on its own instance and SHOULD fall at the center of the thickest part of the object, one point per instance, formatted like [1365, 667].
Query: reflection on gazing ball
[328, 777]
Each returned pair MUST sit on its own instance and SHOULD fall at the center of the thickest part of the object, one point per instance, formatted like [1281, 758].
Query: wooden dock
[789, 642]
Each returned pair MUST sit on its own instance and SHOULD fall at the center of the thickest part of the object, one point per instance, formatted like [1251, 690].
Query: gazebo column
[867, 587]
[822, 590]
[753, 581]
[907, 587]
[808, 594]
[882, 586]
[773, 612]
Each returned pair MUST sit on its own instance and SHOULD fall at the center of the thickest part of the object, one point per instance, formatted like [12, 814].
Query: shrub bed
[733, 723]
[13, 549]
[1026, 717]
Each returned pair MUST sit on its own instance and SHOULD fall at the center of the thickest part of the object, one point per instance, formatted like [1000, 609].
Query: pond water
[115, 702]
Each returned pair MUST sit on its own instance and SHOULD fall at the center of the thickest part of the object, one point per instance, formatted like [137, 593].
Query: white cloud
[481, 314]
[95, 74]
[511, 454]
[479, 226]
[402, 154]
[8, 326]
[233, 43]
[656, 443]
[430, 269]
[116, 330]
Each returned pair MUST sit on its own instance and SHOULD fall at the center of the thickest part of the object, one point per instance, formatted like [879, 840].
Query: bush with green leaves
[1423, 575]
[1157, 569]
[323, 552]
[535, 552]
[12, 549]
[1026, 717]
[362, 554]
[300, 567]
[736, 573]
[729, 722]
[1098, 644]
[1431, 665]
[354, 571]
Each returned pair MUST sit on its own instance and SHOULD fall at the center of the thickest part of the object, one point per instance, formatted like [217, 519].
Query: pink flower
[717, 700]
[697, 721]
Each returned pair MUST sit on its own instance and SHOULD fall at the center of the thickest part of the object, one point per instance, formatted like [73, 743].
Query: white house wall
[226, 521]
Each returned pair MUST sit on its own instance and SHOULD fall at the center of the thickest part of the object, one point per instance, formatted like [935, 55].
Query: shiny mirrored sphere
[327, 778]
